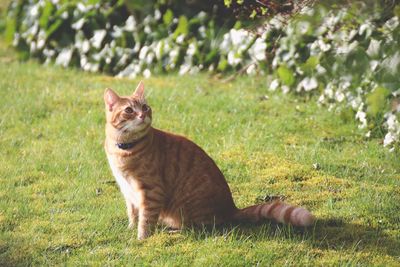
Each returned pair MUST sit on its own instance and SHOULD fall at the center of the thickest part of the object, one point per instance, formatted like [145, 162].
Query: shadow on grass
[338, 235]
[332, 234]
[13, 254]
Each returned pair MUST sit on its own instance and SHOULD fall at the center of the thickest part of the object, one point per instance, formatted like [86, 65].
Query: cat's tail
[278, 211]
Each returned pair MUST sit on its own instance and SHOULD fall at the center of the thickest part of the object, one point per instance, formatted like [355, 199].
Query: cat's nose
[142, 116]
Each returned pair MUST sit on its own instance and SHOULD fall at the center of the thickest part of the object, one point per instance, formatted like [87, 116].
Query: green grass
[59, 204]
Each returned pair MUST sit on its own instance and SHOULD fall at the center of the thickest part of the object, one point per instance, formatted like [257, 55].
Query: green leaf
[310, 64]
[286, 75]
[228, 3]
[377, 101]
[54, 26]
[11, 28]
[44, 20]
[397, 10]
[253, 14]
[223, 64]
[12, 21]
[182, 28]
[211, 57]
[168, 17]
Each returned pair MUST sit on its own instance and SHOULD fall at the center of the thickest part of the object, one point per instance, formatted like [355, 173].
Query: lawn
[59, 203]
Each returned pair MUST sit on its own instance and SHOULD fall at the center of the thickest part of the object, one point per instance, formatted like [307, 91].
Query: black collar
[125, 146]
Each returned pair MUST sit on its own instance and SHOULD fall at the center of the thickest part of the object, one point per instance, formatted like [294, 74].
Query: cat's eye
[145, 108]
[128, 110]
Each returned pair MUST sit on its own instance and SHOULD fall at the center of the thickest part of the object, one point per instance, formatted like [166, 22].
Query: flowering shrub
[349, 57]
[104, 36]
[346, 60]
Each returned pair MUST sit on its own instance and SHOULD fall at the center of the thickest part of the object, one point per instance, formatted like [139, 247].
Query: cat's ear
[139, 92]
[110, 98]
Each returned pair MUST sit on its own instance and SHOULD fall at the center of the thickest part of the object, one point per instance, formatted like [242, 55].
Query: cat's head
[128, 116]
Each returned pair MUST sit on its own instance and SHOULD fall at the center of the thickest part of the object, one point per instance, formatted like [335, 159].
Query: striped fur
[277, 211]
[167, 178]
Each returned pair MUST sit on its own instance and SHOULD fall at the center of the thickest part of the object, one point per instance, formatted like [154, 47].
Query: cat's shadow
[325, 234]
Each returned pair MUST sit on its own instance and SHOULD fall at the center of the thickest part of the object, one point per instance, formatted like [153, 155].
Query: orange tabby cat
[166, 177]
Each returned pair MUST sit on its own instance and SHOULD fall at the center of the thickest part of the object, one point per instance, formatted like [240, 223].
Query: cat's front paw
[131, 225]
[143, 234]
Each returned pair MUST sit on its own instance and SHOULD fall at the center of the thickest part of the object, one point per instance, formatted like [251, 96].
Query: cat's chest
[127, 184]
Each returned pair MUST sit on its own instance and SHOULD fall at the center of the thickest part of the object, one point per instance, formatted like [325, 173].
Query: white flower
[81, 7]
[339, 96]
[32, 48]
[373, 64]
[146, 73]
[251, 70]
[276, 22]
[194, 70]
[389, 139]
[184, 69]
[202, 31]
[392, 23]
[160, 49]
[34, 10]
[147, 29]
[346, 84]
[64, 15]
[323, 46]
[320, 70]
[143, 52]
[321, 99]
[225, 44]
[392, 63]
[85, 46]
[308, 84]
[130, 71]
[40, 44]
[345, 49]
[233, 58]
[303, 27]
[373, 48]
[157, 14]
[258, 50]
[180, 39]
[83, 62]
[329, 90]
[173, 54]
[351, 35]
[123, 60]
[362, 117]
[285, 89]
[191, 49]
[97, 38]
[331, 21]
[356, 102]
[150, 57]
[78, 25]
[130, 24]
[238, 37]
[64, 57]
[392, 123]
[274, 85]
[117, 32]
